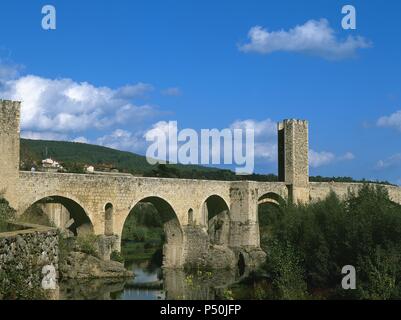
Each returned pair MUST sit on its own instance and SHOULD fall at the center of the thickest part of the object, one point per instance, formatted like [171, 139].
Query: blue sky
[126, 66]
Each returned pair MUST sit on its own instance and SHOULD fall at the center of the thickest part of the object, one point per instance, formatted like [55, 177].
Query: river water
[152, 283]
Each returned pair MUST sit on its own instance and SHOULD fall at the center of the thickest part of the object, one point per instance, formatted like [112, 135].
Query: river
[151, 282]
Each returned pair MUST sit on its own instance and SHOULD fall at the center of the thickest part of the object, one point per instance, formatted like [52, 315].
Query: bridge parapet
[320, 190]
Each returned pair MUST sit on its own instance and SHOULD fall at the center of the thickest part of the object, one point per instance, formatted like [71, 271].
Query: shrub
[116, 256]
[314, 241]
[287, 272]
[87, 244]
[6, 212]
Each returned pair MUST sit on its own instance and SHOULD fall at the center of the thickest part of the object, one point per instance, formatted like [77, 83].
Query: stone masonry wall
[320, 190]
[9, 149]
[293, 160]
[24, 253]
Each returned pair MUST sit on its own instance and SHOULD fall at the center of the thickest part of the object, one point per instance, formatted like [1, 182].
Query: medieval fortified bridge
[101, 203]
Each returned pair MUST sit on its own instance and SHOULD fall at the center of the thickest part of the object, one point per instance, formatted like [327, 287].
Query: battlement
[288, 122]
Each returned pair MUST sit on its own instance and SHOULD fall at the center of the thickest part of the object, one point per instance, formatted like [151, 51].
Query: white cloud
[391, 121]
[318, 159]
[81, 140]
[347, 156]
[174, 91]
[265, 137]
[63, 105]
[322, 158]
[263, 129]
[130, 112]
[390, 162]
[132, 91]
[44, 135]
[123, 140]
[8, 69]
[162, 126]
[315, 37]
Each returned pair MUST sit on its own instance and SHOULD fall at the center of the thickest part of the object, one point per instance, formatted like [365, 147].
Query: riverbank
[80, 259]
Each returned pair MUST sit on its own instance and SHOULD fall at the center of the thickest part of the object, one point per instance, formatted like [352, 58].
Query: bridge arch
[216, 216]
[271, 197]
[64, 212]
[270, 207]
[173, 248]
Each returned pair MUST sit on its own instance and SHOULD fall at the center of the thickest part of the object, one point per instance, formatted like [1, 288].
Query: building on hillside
[50, 165]
[89, 169]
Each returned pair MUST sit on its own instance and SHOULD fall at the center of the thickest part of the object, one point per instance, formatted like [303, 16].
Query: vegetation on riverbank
[143, 235]
[307, 246]
[6, 214]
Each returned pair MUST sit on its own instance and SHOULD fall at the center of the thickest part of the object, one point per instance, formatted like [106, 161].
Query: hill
[74, 156]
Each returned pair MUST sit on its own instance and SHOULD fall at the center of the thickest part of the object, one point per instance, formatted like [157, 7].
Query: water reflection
[147, 283]
[91, 289]
[152, 283]
[197, 286]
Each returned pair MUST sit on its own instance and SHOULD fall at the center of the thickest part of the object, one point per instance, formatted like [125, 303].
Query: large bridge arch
[213, 204]
[216, 217]
[269, 208]
[65, 212]
[173, 248]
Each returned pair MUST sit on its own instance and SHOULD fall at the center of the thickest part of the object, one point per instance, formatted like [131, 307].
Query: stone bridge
[101, 203]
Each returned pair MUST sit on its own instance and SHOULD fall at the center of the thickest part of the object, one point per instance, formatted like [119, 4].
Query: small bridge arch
[108, 219]
[272, 198]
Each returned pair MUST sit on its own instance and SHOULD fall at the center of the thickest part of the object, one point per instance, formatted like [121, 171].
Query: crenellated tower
[293, 163]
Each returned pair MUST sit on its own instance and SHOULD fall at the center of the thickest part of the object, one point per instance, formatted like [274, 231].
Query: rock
[80, 265]
[220, 257]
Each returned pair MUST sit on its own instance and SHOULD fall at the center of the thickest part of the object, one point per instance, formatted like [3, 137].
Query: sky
[112, 70]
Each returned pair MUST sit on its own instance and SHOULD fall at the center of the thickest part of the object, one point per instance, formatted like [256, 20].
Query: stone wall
[320, 190]
[9, 149]
[293, 160]
[24, 253]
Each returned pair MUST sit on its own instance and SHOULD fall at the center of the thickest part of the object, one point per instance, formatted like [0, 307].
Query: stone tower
[9, 149]
[293, 164]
